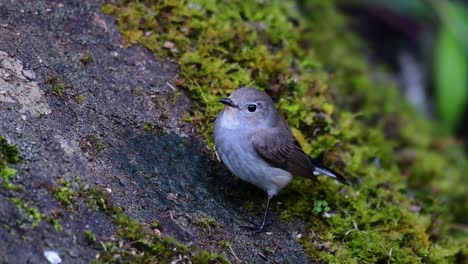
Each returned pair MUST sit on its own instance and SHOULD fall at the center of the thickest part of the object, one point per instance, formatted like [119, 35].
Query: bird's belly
[245, 163]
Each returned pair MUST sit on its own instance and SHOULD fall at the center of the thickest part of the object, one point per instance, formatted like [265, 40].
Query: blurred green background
[426, 42]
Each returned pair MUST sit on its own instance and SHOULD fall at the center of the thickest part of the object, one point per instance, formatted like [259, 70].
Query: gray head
[250, 106]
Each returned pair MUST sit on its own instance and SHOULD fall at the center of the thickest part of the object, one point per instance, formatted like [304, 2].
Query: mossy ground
[138, 243]
[133, 242]
[9, 187]
[411, 193]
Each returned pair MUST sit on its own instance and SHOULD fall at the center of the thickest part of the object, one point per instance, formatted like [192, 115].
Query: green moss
[140, 243]
[91, 144]
[6, 175]
[55, 224]
[10, 154]
[57, 86]
[31, 212]
[207, 222]
[64, 90]
[148, 126]
[411, 189]
[138, 91]
[224, 244]
[90, 236]
[86, 59]
[320, 206]
[79, 98]
[65, 193]
[205, 257]
[155, 224]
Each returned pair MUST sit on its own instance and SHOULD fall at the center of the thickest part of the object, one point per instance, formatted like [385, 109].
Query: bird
[257, 145]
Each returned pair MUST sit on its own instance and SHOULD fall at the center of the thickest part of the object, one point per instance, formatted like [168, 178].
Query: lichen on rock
[18, 85]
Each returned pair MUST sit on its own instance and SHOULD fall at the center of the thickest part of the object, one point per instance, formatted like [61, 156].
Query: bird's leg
[264, 224]
[261, 227]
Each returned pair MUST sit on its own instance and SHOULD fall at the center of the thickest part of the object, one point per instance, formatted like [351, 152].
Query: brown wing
[279, 148]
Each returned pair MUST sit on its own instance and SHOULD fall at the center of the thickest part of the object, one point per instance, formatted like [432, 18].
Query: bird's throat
[230, 118]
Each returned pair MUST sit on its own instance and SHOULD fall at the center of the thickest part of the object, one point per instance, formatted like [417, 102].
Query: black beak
[227, 101]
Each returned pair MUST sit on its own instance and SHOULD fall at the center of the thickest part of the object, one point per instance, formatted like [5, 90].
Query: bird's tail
[320, 169]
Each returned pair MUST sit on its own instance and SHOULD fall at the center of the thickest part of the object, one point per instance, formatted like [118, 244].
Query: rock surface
[78, 104]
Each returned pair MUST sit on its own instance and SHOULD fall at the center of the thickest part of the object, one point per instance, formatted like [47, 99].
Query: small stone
[168, 45]
[23, 117]
[415, 208]
[269, 233]
[157, 232]
[52, 256]
[109, 190]
[29, 74]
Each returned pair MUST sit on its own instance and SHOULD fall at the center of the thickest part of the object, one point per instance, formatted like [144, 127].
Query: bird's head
[250, 108]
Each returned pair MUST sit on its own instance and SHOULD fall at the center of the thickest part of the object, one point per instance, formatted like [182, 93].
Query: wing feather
[278, 147]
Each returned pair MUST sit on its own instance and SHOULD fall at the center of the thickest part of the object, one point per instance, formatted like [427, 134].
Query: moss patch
[139, 243]
[86, 59]
[132, 242]
[148, 126]
[57, 86]
[65, 194]
[31, 212]
[79, 98]
[411, 190]
[9, 154]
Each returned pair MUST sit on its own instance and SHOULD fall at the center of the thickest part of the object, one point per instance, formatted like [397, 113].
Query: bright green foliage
[6, 175]
[321, 206]
[411, 187]
[451, 71]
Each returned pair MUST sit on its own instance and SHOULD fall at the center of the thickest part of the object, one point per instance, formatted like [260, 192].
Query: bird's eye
[252, 108]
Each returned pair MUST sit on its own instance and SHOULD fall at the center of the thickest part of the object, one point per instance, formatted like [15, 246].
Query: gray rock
[71, 118]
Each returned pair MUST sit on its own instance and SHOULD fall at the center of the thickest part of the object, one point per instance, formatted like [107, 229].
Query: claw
[260, 228]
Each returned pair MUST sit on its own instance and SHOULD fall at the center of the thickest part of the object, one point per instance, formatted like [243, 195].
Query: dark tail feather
[319, 169]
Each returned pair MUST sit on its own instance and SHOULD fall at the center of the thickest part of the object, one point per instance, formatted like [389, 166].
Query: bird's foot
[257, 228]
